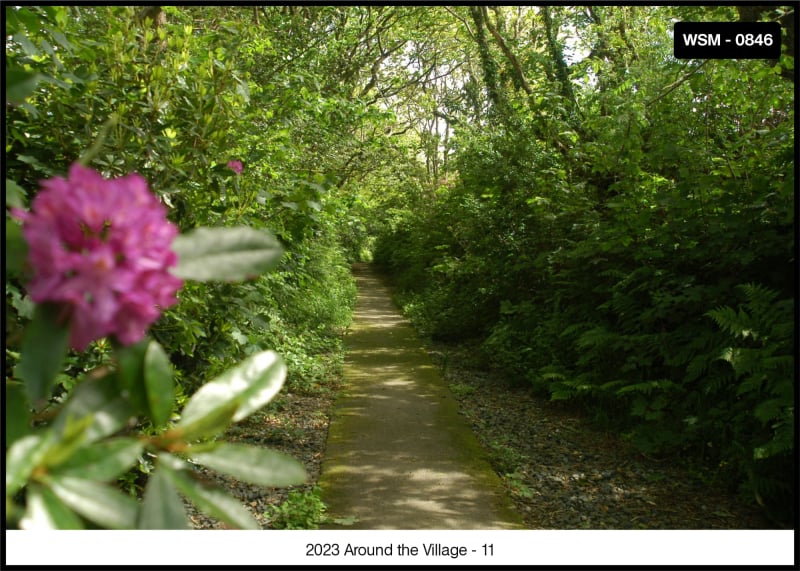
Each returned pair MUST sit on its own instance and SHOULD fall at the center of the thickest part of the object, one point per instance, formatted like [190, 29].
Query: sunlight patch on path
[399, 455]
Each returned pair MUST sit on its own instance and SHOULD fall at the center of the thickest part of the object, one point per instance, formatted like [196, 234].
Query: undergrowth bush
[658, 294]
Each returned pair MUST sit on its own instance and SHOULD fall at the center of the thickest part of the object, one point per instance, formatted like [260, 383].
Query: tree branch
[462, 20]
[509, 55]
[673, 86]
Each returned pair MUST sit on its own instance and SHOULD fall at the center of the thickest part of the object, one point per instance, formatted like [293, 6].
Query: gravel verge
[559, 471]
[293, 423]
[563, 474]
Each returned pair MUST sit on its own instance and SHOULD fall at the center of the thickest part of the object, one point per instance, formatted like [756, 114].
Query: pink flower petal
[103, 249]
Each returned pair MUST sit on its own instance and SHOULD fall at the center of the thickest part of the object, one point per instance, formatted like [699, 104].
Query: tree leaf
[102, 504]
[162, 507]
[228, 254]
[250, 385]
[103, 461]
[44, 348]
[46, 511]
[211, 500]
[252, 464]
[159, 383]
[20, 84]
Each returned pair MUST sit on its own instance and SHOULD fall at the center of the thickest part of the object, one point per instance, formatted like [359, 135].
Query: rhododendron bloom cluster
[236, 166]
[102, 249]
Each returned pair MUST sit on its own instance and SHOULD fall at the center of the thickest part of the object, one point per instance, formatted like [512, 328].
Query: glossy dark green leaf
[227, 254]
[211, 500]
[17, 412]
[252, 464]
[43, 350]
[131, 373]
[71, 436]
[21, 459]
[102, 504]
[99, 398]
[45, 511]
[162, 507]
[103, 461]
[159, 383]
[213, 422]
[249, 386]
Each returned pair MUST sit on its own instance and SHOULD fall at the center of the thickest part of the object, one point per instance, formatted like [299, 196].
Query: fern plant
[760, 353]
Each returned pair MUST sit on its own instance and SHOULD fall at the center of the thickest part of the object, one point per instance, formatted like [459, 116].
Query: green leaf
[45, 511]
[769, 410]
[20, 84]
[103, 461]
[131, 373]
[44, 347]
[17, 412]
[210, 500]
[102, 504]
[72, 436]
[252, 464]
[22, 458]
[209, 424]
[62, 40]
[15, 194]
[100, 399]
[227, 254]
[162, 507]
[159, 383]
[250, 385]
[26, 45]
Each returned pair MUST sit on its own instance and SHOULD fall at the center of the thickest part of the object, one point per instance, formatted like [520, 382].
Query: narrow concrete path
[399, 456]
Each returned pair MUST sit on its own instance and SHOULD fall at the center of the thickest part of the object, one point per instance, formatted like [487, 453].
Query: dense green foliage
[628, 245]
[174, 105]
[614, 226]
[161, 96]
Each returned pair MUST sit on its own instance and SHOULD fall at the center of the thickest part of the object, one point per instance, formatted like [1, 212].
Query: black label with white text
[727, 40]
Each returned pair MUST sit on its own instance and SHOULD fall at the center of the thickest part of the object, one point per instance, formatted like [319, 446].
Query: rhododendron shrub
[104, 261]
[102, 249]
[236, 166]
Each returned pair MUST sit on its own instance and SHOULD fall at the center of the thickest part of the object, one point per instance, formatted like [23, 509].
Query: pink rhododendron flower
[102, 248]
[236, 166]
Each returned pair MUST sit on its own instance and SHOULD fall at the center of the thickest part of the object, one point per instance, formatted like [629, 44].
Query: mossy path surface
[399, 455]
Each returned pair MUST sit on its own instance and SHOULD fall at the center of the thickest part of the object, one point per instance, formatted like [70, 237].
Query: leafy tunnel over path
[608, 225]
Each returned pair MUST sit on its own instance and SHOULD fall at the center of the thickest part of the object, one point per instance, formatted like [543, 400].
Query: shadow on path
[399, 456]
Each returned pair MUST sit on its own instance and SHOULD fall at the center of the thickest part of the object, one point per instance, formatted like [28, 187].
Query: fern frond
[758, 295]
[737, 324]
[782, 442]
[769, 410]
[597, 336]
[647, 387]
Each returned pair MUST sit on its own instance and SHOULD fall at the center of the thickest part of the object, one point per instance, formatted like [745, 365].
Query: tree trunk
[755, 13]
[557, 56]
